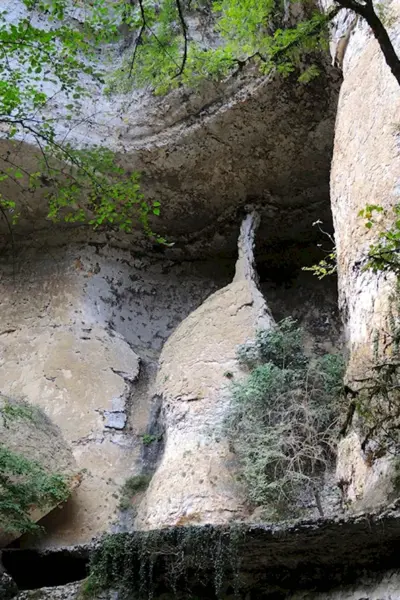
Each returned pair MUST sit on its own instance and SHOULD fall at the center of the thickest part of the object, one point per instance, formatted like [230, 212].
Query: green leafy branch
[85, 185]
[24, 485]
[283, 421]
[328, 264]
[384, 255]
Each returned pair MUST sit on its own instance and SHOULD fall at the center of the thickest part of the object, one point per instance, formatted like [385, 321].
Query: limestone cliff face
[81, 329]
[195, 482]
[365, 170]
[84, 316]
[95, 330]
[382, 587]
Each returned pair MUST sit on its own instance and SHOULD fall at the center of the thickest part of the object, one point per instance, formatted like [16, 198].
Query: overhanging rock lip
[289, 556]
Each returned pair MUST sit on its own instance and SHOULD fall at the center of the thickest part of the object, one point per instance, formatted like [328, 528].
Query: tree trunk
[384, 41]
[378, 29]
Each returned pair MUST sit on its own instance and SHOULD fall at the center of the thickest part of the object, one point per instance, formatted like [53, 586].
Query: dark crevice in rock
[8, 587]
[293, 292]
[33, 569]
[153, 443]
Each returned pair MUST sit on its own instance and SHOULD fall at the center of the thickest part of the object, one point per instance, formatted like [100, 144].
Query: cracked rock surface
[80, 328]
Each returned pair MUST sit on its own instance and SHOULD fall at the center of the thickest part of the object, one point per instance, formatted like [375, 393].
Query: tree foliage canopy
[48, 51]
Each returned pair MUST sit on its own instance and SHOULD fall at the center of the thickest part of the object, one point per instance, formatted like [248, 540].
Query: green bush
[25, 484]
[283, 422]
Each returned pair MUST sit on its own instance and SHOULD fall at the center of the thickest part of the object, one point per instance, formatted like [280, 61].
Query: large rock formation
[271, 562]
[205, 153]
[70, 318]
[365, 170]
[195, 482]
[84, 316]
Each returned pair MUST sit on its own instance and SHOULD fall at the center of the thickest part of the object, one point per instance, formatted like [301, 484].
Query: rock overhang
[268, 561]
[207, 154]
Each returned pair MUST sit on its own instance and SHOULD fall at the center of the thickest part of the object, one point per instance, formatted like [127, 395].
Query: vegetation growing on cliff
[284, 418]
[166, 52]
[43, 63]
[376, 399]
[132, 486]
[25, 483]
[376, 395]
[384, 254]
[189, 557]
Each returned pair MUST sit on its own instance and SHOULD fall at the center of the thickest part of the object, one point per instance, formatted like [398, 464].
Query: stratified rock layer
[206, 152]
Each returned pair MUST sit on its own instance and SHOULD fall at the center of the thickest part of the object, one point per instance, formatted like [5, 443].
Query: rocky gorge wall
[205, 153]
[70, 319]
[348, 556]
[97, 331]
[365, 170]
[383, 587]
[86, 314]
[82, 328]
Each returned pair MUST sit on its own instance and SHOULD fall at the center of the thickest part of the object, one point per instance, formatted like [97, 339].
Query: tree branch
[185, 38]
[138, 40]
[316, 27]
[367, 11]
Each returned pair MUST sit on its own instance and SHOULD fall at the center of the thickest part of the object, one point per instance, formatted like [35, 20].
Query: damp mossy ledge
[191, 557]
[232, 561]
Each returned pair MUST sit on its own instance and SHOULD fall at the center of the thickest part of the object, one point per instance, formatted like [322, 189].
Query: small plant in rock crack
[148, 439]
[377, 399]
[132, 486]
[283, 421]
[12, 410]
